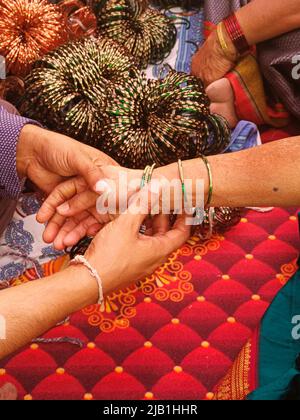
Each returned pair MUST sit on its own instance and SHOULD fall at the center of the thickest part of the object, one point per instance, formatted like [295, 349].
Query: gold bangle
[181, 176]
[222, 41]
[210, 177]
[150, 173]
[145, 176]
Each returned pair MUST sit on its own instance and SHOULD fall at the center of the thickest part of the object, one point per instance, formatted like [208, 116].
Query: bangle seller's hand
[70, 210]
[210, 62]
[47, 158]
[122, 255]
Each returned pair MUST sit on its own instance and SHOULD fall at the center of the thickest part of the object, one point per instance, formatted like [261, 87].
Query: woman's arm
[260, 21]
[121, 256]
[33, 308]
[264, 19]
[264, 176]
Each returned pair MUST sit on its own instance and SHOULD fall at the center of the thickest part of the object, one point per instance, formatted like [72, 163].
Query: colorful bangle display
[210, 188]
[236, 34]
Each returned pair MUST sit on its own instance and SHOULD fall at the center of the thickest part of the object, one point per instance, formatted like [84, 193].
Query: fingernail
[63, 209]
[102, 186]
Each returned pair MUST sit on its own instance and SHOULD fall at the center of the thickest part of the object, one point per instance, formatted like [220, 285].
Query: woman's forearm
[265, 176]
[33, 308]
[262, 20]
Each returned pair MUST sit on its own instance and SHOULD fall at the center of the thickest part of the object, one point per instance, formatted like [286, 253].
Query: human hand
[122, 255]
[47, 158]
[222, 100]
[70, 210]
[210, 63]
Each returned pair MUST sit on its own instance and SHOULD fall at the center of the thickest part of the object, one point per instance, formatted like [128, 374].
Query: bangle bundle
[218, 220]
[91, 90]
[147, 175]
[162, 121]
[28, 30]
[236, 34]
[148, 34]
[68, 89]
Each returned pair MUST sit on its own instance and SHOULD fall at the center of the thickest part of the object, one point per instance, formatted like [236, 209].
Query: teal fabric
[279, 347]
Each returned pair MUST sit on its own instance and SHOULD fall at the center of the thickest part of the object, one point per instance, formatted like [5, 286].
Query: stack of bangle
[222, 41]
[147, 175]
[236, 34]
[146, 179]
[181, 176]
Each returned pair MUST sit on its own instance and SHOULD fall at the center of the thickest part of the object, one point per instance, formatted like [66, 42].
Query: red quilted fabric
[177, 334]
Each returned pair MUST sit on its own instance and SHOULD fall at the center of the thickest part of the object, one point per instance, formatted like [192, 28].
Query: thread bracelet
[80, 259]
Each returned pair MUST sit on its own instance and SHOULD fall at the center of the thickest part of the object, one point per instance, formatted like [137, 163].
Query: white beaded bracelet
[80, 259]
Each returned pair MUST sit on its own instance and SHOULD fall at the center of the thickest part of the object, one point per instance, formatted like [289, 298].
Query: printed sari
[264, 82]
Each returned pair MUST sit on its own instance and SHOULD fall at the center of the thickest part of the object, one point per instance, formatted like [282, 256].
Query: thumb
[89, 170]
[177, 236]
[139, 208]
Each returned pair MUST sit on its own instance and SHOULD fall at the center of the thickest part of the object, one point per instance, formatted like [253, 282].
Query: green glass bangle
[181, 176]
[145, 176]
[210, 188]
[150, 174]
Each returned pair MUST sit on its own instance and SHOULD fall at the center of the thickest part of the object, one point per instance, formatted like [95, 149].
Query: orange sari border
[250, 96]
[242, 378]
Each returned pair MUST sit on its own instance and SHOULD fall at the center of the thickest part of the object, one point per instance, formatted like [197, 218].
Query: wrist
[224, 44]
[236, 35]
[25, 149]
[83, 285]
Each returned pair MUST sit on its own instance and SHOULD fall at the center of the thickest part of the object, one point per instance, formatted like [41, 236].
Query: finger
[177, 236]
[62, 193]
[94, 229]
[53, 228]
[78, 204]
[64, 231]
[80, 231]
[55, 225]
[160, 225]
[138, 210]
[88, 169]
[66, 228]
